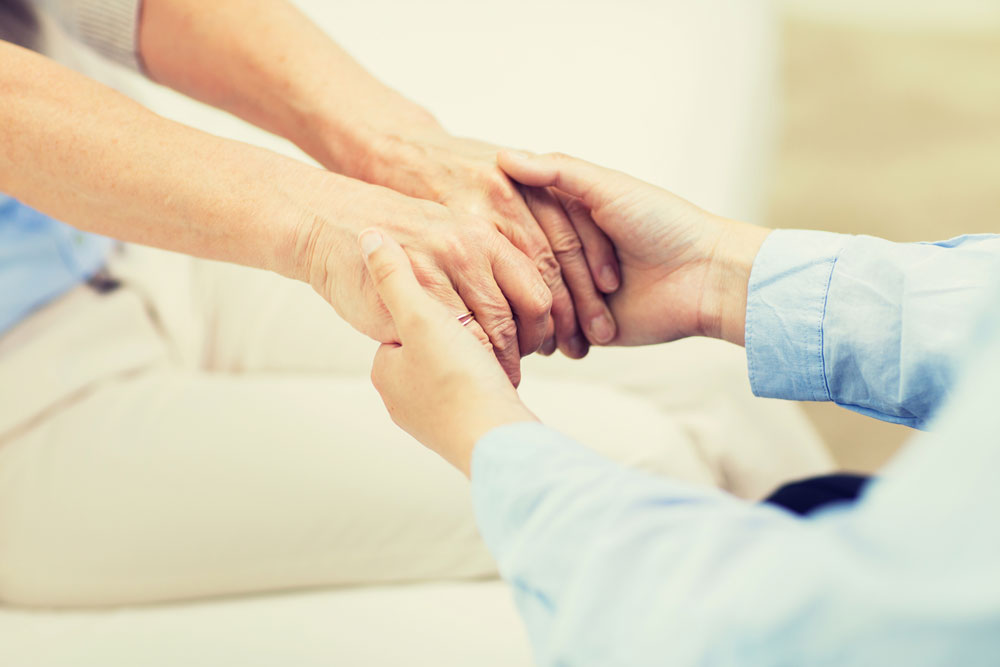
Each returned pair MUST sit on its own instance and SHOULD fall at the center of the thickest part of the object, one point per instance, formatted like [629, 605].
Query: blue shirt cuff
[786, 304]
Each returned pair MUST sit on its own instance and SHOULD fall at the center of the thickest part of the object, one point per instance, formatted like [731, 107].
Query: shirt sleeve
[875, 326]
[610, 566]
[110, 27]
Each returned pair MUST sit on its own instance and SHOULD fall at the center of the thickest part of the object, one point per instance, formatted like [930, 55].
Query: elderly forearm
[86, 155]
[269, 64]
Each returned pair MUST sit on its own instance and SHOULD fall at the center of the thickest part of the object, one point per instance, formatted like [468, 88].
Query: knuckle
[548, 267]
[540, 303]
[575, 208]
[383, 272]
[503, 335]
[567, 247]
[480, 334]
[455, 249]
[499, 188]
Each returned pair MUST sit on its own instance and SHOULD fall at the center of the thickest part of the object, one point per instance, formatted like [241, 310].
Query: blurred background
[890, 126]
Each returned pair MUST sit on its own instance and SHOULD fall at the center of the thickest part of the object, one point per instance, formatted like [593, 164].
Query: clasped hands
[683, 272]
[476, 241]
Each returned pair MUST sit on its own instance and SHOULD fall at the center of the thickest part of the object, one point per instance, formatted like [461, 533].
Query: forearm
[86, 155]
[269, 64]
[611, 566]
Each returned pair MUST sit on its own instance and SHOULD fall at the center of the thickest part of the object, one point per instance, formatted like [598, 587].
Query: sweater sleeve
[110, 27]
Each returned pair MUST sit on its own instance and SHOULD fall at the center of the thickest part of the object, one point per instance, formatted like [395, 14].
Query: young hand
[440, 383]
[684, 270]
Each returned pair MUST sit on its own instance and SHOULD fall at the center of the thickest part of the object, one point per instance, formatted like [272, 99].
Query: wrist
[369, 143]
[312, 206]
[459, 451]
[724, 300]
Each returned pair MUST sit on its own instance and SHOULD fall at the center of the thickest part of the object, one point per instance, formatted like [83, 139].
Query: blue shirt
[611, 566]
[41, 259]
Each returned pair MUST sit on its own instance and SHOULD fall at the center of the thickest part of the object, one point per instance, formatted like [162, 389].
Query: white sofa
[676, 92]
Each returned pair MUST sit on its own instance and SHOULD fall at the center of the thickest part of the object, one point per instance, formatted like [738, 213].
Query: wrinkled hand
[439, 382]
[461, 260]
[462, 174]
[684, 270]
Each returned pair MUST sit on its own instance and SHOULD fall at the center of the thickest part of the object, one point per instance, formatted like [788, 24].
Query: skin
[122, 171]
[684, 273]
[439, 383]
[273, 67]
[476, 240]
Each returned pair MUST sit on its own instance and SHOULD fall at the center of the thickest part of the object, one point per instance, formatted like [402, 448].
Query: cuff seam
[822, 322]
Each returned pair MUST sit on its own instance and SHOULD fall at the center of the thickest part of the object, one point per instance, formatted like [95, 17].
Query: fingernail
[601, 329]
[521, 155]
[609, 278]
[370, 241]
[577, 345]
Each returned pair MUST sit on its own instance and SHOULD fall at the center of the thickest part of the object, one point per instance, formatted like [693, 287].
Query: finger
[445, 293]
[403, 295]
[593, 184]
[549, 345]
[394, 280]
[457, 308]
[481, 293]
[597, 247]
[528, 236]
[525, 291]
[520, 227]
[593, 314]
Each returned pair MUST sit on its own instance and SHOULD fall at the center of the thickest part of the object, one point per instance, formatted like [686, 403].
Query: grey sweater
[107, 26]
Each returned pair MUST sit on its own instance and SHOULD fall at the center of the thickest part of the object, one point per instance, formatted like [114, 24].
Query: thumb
[394, 280]
[573, 176]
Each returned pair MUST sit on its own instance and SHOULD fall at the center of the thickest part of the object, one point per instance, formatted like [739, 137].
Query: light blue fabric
[613, 567]
[41, 259]
[877, 327]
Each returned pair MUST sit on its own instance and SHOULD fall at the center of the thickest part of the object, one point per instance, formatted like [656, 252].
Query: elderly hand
[684, 270]
[463, 261]
[274, 68]
[425, 161]
[439, 382]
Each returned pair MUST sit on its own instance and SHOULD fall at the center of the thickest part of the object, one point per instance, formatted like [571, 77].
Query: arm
[878, 327]
[117, 169]
[611, 566]
[875, 326]
[267, 63]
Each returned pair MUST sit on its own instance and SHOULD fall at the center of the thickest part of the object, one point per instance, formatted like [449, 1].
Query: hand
[461, 260]
[439, 383]
[282, 73]
[684, 270]
[463, 175]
